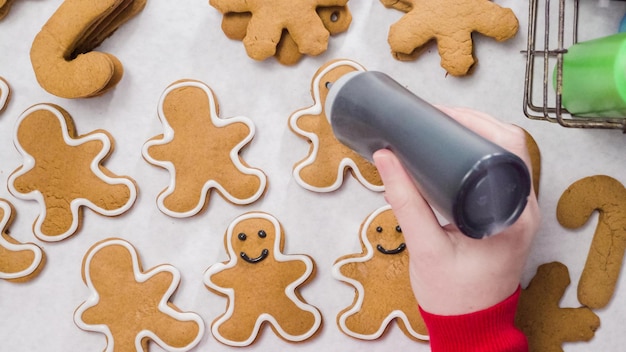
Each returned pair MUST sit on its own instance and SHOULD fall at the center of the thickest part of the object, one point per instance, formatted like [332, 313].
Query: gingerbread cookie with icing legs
[131, 306]
[328, 160]
[336, 19]
[63, 172]
[261, 284]
[5, 94]
[269, 19]
[19, 262]
[380, 277]
[201, 152]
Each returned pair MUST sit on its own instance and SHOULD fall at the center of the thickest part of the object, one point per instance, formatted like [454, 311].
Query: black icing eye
[398, 229]
[379, 229]
[262, 234]
[242, 236]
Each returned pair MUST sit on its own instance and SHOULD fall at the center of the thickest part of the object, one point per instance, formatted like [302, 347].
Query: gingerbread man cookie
[380, 276]
[450, 23]
[63, 172]
[5, 94]
[261, 284]
[131, 306]
[61, 53]
[336, 19]
[19, 262]
[201, 152]
[269, 19]
[546, 325]
[328, 160]
[604, 260]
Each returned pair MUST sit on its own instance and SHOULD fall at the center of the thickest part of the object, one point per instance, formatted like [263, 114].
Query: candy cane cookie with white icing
[261, 284]
[328, 160]
[19, 262]
[380, 277]
[64, 173]
[201, 152]
[132, 307]
[5, 94]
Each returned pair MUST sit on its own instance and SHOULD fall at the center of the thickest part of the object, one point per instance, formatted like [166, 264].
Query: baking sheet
[171, 40]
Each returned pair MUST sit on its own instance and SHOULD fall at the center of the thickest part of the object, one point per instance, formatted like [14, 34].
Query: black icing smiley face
[385, 234]
[253, 240]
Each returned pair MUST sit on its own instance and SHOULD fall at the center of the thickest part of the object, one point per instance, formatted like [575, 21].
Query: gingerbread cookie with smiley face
[261, 284]
[380, 276]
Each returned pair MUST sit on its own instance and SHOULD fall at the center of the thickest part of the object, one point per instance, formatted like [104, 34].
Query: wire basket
[545, 52]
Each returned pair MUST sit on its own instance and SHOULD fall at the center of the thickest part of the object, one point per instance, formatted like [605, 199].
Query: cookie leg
[261, 38]
[456, 53]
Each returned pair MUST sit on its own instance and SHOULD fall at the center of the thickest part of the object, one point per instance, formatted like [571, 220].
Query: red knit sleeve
[489, 330]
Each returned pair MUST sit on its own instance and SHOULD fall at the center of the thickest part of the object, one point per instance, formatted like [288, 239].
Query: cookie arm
[489, 330]
[496, 22]
[225, 6]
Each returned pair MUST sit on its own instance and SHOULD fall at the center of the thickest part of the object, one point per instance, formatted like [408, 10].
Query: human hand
[453, 274]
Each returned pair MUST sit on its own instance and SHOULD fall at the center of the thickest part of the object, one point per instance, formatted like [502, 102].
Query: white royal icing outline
[168, 136]
[75, 204]
[336, 273]
[94, 299]
[317, 109]
[5, 90]
[6, 207]
[290, 290]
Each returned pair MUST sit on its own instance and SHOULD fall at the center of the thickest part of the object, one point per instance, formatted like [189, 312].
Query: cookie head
[253, 240]
[385, 234]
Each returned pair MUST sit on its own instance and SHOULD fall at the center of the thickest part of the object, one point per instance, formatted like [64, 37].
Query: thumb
[414, 214]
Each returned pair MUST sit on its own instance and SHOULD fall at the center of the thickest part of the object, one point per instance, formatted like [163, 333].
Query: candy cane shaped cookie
[61, 53]
[604, 261]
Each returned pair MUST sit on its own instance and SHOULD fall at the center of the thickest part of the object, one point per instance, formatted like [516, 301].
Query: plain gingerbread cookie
[450, 23]
[546, 325]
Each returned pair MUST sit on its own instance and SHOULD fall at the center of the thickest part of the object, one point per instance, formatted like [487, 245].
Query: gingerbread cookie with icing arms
[19, 262]
[5, 94]
[328, 161]
[63, 172]
[132, 307]
[201, 152]
[380, 277]
[261, 284]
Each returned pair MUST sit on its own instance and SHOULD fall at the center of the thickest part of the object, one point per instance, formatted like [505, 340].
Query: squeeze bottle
[472, 182]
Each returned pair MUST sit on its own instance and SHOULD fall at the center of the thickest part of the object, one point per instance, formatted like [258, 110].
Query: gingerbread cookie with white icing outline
[5, 94]
[19, 262]
[324, 168]
[131, 306]
[380, 277]
[201, 152]
[63, 172]
[261, 284]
